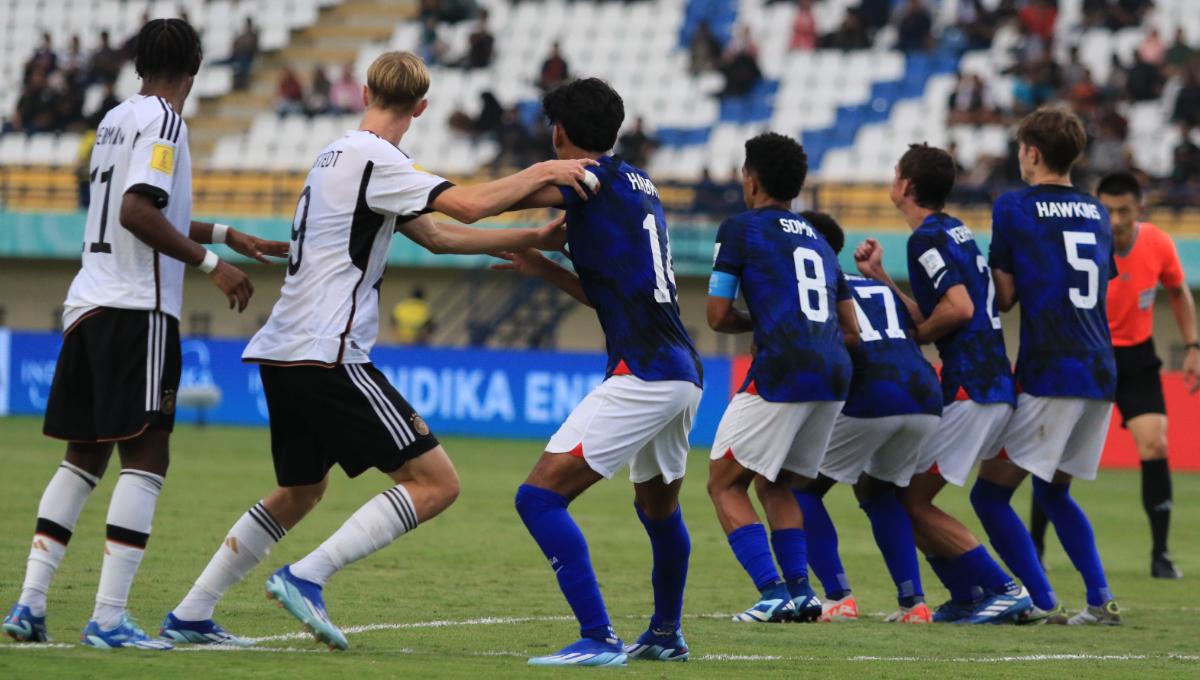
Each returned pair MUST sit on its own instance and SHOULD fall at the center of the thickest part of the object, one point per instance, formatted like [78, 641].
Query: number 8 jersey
[141, 147]
[1056, 242]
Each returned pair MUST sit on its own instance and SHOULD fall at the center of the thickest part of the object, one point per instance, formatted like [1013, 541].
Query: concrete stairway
[333, 40]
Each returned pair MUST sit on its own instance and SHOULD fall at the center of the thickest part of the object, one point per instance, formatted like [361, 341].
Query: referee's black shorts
[1139, 381]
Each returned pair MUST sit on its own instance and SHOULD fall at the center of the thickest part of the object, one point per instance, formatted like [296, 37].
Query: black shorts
[1139, 382]
[348, 415]
[116, 377]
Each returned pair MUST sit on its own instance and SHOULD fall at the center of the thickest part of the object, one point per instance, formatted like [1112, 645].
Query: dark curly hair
[931, 172]
[828, 227]
[589, 111]
[167, 49]
[779, 163]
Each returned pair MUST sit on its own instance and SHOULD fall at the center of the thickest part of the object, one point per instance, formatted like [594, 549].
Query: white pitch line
[485, 621]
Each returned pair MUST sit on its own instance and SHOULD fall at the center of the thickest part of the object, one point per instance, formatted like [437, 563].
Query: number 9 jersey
[1056, 242]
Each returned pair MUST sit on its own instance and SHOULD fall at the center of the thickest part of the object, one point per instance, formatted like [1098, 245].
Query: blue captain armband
[723, 284]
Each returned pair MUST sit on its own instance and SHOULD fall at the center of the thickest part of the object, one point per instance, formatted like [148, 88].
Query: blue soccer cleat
[206, 632]
[659, 645]
[1001, 607]
[126, 635]
[302, 599]
[774, 606]
[952, 611]
[608, 653]
[22, 626]
[807, 604]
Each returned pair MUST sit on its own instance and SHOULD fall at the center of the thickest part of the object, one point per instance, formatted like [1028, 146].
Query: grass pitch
[469, 595]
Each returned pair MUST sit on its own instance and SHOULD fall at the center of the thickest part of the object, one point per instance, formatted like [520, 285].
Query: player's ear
[366, 97]
[420, 108]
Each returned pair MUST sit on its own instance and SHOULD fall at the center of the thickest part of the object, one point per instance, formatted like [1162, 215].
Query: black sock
[1156, 498]
[1037, 527]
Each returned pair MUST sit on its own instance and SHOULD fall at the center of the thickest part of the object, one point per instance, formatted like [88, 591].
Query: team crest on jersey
[168, 402]
[162, 159]
[419, 425]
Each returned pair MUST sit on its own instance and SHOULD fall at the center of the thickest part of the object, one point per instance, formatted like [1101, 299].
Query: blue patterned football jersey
[1056, 241]
[942, 253]
[619, 248]
[792, 283]
[891, 376]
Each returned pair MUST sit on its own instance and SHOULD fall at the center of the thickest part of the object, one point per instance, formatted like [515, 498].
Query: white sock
[375, 525]
[246, 546]
[62, 501]
[130, 515]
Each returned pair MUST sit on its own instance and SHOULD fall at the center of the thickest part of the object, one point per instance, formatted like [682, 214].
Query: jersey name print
[792, 283]
[141, 147]
[1056, 242]
[942, 253]
[328, 311]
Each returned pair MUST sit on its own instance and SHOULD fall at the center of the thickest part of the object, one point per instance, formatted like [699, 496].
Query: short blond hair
[397, 80]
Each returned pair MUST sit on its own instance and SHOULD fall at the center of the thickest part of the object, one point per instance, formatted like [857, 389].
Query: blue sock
[545, 516]
[750, 546]
[823, 543]
[985, 571]
[962, 588]
[894, 536]
[791, 551]
[671, 546]
[1075, 533]
[1010, 538]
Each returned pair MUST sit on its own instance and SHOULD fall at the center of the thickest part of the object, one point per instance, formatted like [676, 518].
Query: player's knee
[1155, 449]
[301, 499]
[448, 488]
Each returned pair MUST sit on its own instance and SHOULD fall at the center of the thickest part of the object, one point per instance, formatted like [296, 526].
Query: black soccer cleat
[1162, 567]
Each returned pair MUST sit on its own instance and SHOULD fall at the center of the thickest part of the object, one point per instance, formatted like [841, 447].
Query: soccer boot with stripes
[303, 600]
[808, 605]
[22, 626]
[659, 645]
[774, 605]
[127, 635]
[1001, 607]
[1037, 616]
[206, 632]
[609, 653]
[845, 609]
[918, 613]
[1107, 614]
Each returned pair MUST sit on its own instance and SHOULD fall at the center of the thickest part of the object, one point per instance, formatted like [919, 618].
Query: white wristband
[218, 232]
[210, 262]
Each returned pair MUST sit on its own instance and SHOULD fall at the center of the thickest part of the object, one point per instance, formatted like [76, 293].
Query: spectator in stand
[874, 15]
[480, 45]
[850, 34]
[1083, 96]
[317, 102]
[704, 52]
[971, 103]
[1145, 80]
[1127, 13]
[554, 70]
[128, 48]
[108, 102]
[914, 28]
[1031, 89]
[1179, 54]
[36, 105]
[106, 61]
[1152, 50]
[1037, 17]
[977, 24]
[242, 54]
[1187, 103]
[1107, 152]
[412, 321]
[1094, 13]
[1185, 171]
[804, 28]
[1073, 71]
[289, 95]
[430, 48]
[345, 95]
[636, 146]
[740, 65]
[74, 63]
[44, 59]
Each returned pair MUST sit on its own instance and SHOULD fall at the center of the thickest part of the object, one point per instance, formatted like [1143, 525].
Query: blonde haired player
[328, 404]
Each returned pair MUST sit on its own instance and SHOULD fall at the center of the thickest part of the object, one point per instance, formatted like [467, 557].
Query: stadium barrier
[495, 393]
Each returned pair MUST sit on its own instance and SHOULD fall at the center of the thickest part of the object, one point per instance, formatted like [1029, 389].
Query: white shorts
[969, 432]
[885, 448]
[1048, 434]
[766, 436]
[627, 420]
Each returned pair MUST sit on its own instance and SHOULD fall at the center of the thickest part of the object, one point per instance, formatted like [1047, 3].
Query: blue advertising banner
[493, 393]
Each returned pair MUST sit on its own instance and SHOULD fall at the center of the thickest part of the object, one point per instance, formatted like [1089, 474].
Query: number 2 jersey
[792, 283]
[942, 253]
[620, 251]
[891, 376]
[1056, 242]
[359, 187]
[141, 147]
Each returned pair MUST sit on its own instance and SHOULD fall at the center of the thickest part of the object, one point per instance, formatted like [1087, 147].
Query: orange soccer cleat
[845, 609]
[918, 613]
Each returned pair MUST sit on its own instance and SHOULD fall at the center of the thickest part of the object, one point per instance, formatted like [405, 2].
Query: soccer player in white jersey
[328, 404]
[119, 366]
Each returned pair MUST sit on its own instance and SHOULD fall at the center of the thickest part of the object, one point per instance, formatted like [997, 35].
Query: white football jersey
[141, 146]
[328, 310]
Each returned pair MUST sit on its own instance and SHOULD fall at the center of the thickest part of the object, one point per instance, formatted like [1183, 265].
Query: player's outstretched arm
[868, 257]
[532, 263]
[1185, 315]
[244, 244]
[441, 238]
[953, 311]
[143, 219]
[723, 317]
[470, 204]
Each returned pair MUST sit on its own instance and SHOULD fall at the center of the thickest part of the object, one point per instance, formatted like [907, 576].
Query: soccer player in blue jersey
[954, 308]
[1052, 252]
[894, 406]
[776, 428]
[641, 414]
